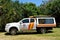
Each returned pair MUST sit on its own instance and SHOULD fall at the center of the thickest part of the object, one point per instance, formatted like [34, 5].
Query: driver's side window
[26, 21]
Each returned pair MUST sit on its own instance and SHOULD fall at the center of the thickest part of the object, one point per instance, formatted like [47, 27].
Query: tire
[13, 31]
[43, 30]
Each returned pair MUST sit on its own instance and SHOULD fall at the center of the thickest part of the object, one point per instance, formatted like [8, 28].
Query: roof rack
[37, 16]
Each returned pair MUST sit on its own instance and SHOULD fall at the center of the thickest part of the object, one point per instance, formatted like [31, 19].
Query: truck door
[32, 24]
[25, 23]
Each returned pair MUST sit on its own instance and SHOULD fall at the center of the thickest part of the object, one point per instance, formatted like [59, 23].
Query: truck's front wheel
[13, 31]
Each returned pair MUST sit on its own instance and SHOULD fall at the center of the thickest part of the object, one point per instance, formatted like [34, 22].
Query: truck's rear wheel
[13, 31]
[43, 30]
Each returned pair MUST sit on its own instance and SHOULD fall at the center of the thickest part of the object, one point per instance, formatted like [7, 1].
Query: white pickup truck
[41, 24]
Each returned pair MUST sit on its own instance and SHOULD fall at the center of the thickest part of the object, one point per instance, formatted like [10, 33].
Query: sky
[37, 2]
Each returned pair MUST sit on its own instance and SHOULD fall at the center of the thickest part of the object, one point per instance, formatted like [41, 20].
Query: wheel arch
[13, 27]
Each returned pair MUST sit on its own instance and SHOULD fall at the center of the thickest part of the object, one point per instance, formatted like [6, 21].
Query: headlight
[7, 25]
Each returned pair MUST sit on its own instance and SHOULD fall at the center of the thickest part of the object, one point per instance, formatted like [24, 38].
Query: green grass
[54, 35]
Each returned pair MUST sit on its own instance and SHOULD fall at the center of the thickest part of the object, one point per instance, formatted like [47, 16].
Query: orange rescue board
[46, 25]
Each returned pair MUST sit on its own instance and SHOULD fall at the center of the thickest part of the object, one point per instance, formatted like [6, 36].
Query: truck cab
[28, 23]
[41, 24]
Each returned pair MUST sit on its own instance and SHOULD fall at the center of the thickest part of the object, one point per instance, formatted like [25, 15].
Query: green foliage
[29, 9]
[52, 7]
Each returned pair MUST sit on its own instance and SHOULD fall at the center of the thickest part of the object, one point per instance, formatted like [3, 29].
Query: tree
[29, 9]
[52, 7]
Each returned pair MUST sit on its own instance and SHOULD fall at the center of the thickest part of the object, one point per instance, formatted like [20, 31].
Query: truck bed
[46, 25]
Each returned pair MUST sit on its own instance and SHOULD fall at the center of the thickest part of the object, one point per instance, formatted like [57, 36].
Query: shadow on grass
[28, 33]
[49, 32]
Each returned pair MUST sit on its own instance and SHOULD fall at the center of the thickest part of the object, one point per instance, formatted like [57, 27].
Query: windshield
[25, 20]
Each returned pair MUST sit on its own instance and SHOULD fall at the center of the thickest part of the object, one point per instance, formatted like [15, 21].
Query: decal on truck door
[31, 25]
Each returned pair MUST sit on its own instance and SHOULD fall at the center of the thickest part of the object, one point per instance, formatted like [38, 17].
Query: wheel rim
[43, 30]
[13, 31]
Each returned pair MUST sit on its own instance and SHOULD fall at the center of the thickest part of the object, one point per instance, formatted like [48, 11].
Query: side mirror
[20, 22]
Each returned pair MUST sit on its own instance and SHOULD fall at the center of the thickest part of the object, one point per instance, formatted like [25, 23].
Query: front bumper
[6, 29]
